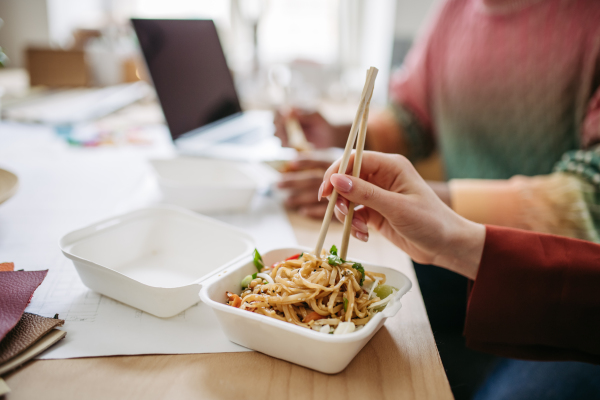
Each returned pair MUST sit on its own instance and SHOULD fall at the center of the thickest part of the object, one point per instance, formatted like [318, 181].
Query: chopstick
[365, 98]
[360, 146]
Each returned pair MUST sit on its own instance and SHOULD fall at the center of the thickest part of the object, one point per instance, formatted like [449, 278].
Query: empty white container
[319, 351]
[155, 258]
[206, 185]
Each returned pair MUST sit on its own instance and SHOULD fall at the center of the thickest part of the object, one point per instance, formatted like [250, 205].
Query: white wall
[25, 23]
[64, 16]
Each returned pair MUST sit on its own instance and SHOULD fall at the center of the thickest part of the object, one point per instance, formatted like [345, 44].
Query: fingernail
[321, 191]
[360, 225]
[363, 237]
[342, 183]
[342, 207]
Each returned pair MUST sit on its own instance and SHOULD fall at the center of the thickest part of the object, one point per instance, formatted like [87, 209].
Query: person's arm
[556, 203]
[564, 203]
[535, 296]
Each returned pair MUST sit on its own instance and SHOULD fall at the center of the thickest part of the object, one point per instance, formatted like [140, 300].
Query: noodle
[311, 292]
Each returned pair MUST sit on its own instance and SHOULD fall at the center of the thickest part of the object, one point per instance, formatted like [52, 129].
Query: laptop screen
[189, 71]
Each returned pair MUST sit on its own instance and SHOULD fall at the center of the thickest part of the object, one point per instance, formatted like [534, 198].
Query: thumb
[362, 192]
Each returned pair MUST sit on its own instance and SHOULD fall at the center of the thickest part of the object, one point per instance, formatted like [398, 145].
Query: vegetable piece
[254, 275]
[344, 327]
[345, 304]
[258, 261]
[313, 316]
[381, 304]
[237, 301]
[246, 281]
[294, 257]
[325, 329]
[333, 250]
[373, 286]
[266, 277]
[334, 260]
[234, 299]
[383, 291]
[359, 268]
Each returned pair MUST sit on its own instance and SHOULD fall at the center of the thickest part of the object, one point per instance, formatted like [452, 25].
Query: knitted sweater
[506, 88]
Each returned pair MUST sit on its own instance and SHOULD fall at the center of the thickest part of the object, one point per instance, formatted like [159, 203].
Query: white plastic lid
[160, 246]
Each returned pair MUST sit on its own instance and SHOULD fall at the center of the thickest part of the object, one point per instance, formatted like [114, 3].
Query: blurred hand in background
[317, 129]
[303, 176]
[302, 180]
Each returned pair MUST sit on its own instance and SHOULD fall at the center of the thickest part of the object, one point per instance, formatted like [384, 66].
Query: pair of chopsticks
[359, 127]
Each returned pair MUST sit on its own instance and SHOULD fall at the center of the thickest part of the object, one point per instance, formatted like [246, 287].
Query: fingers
[366, 193]
[361, 215]
[302, 180]
[299, 198]
[316, 211]
[391, 172]
[280, 131]
[327, 187]
[361, 234]
[364, 217]
[304, 163]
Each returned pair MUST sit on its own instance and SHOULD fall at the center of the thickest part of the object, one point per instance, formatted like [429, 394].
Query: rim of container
[250, 183]
[160, 207]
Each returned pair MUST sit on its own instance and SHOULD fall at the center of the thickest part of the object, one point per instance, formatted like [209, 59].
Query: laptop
[195, 87]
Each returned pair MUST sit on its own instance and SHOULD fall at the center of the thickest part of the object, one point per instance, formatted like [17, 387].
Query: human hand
[317, 129]
[302, 180]
[442, 190]
[405, 209]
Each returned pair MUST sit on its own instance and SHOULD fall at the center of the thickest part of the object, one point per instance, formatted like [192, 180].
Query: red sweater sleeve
[536, 296]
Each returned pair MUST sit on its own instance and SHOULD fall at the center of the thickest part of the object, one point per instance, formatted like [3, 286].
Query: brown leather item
[49, 340]
[29, 330]
[16, 290]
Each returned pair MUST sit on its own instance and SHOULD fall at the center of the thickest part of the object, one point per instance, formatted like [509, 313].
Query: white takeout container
[206, 185]
[319, 351]
[155, 258]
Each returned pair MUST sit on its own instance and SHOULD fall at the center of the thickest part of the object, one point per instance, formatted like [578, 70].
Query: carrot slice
[294, 257]
[237, 301]
[313, 316]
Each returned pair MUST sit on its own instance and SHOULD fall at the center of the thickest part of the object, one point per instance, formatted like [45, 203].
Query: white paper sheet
[62, 189]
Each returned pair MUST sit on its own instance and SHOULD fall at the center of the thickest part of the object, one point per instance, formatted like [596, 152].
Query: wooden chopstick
[360, 146]
[364, 99]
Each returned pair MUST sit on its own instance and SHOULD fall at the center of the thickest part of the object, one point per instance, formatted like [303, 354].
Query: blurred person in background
[509, 93]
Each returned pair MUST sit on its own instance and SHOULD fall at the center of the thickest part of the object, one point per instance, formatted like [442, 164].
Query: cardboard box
[57, 68]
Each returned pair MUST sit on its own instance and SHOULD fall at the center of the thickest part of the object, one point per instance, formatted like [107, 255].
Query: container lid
[202, 172]
[160, 246]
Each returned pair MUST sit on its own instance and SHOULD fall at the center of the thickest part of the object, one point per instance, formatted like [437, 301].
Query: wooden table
[400, 362]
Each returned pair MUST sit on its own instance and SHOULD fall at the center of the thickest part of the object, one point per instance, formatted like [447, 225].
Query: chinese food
[329, 295]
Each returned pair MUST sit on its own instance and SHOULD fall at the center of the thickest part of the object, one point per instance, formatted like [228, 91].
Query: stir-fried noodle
[321, 294]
